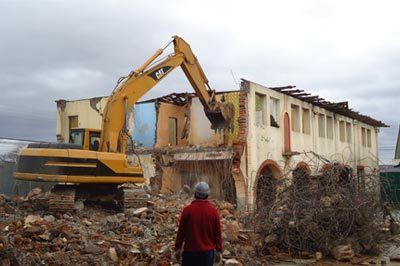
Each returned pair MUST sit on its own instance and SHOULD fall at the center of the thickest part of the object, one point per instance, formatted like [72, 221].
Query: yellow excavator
[83, 170]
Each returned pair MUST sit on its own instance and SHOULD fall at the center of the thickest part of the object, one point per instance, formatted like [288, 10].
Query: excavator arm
[140, 81]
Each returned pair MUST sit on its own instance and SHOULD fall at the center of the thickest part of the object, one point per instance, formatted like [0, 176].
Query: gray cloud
[78, 49]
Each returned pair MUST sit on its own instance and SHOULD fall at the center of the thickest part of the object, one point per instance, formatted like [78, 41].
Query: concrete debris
[113, 255]
[318, 256]
[49, 218]
[31, 219]
[232, 262]
[343, 252]
[31, 235]
[140, 211]
[231, 230]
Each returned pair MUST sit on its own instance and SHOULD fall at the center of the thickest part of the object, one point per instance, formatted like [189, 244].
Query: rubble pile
[31, 235]
[333, 213]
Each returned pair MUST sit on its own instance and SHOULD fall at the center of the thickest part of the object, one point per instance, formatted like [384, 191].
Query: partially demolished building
[275, 131]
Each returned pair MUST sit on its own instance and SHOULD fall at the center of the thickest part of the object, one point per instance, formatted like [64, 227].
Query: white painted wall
[200, 127]
[267, 142]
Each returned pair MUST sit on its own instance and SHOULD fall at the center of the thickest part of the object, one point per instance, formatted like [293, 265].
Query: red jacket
[199, 228]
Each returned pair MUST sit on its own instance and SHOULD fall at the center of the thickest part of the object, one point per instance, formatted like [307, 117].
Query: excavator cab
[87, 138]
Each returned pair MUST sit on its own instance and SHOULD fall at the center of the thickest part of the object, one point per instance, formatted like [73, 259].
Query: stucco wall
[88, 117]
[265, 142]
[166, 111]
[200, 127]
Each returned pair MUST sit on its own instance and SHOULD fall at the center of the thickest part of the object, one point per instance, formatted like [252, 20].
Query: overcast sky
[340, 50]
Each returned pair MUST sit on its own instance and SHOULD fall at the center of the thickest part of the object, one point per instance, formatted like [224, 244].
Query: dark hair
[199, 196]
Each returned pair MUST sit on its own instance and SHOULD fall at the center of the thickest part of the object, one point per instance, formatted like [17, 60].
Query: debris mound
[333, 212]
[31, 235]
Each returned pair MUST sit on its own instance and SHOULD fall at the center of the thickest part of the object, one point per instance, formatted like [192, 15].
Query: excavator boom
[140, 81]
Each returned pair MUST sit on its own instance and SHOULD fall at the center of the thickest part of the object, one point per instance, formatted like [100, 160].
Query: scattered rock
[135, 251]
[92, 249]
[31, 219]
[232, 230]
[318, 256]
[99, 236]
[49, 218]
[113, 255]
[140, 211]
[8, 209]
[33, 230]
[343, 252]
[233, 262]
[68, 216]
[86, 222]
[227, 206]
[226, 253]
[225, 213]
[33, 193]
[243, 237]
[78, 206]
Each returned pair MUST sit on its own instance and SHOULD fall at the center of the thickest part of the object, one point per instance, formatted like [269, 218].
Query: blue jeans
[198, 258]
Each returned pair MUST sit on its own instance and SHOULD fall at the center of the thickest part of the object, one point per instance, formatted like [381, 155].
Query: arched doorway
[266, 183]
[301, 175]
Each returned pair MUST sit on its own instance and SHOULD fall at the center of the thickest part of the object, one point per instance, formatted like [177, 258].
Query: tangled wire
[317, 212]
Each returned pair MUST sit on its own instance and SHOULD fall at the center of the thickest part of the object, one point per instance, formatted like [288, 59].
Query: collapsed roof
[341, 108]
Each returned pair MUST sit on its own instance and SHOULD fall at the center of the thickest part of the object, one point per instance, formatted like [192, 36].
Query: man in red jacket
[200, 230]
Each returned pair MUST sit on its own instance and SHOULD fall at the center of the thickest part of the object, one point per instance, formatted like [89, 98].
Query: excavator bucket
[221, 117]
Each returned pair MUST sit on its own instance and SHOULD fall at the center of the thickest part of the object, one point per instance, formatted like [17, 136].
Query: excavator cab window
[94, 141]
[76, 136]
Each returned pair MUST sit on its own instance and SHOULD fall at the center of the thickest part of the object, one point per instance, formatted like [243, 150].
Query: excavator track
[62, 198]
[134, 198]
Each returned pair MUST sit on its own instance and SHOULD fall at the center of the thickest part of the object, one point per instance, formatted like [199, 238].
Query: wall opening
[301, 175]
[295, 112]
[321, 125]
[260, 109]
[274, 112]
[306, 121]
[363, 137]
[348, 132]
[265, 186]
[329, 127]
[286, 129]
[173, 131]
[342, 132]
[73, 122]
[369, 138]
